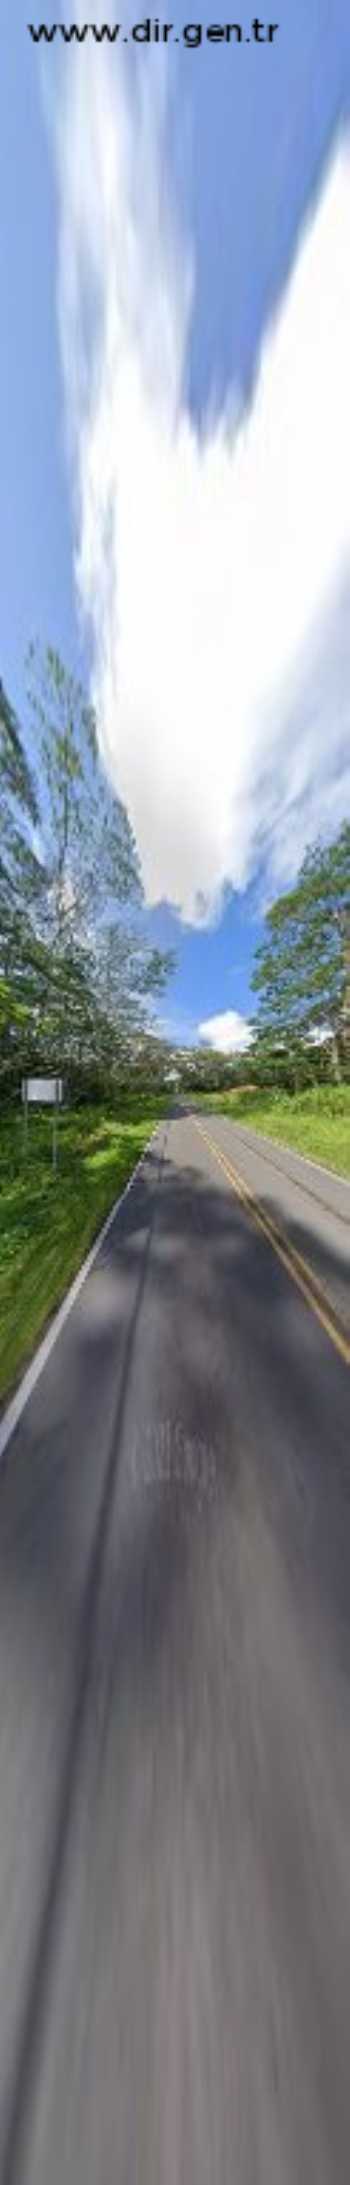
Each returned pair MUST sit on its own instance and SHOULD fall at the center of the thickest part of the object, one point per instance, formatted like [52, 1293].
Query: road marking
[292, 1260]
[18, 1404]
[281, 1145]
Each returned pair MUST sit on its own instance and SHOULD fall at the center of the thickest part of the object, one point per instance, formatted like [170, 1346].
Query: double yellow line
[295, 1265]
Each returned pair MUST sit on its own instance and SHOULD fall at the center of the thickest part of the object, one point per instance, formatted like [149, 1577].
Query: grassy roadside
[316, 1122]
[48, 1222]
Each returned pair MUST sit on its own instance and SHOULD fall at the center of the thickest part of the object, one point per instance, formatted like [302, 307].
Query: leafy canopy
[301, 969]
[76, 968]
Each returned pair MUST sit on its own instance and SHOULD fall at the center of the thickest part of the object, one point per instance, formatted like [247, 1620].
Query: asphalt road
[174, 1704]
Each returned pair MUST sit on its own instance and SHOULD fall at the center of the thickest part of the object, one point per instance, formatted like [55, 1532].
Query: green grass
[48, 1222]
[316, 1122]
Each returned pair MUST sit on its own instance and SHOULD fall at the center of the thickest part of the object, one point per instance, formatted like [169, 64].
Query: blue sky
[243, 143]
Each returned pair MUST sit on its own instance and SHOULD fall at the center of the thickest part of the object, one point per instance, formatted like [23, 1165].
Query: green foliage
[315, 1122]
[48, 1221]
[302, 975]
[91, 856]
[76, 969]
[203, 1068]
[17, 786]
[302, 968]
[20, 871]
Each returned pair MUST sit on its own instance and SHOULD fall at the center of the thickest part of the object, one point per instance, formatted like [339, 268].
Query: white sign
[49, 1090]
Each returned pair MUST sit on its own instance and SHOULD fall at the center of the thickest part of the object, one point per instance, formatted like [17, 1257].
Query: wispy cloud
[229, 1033]
[211, 569]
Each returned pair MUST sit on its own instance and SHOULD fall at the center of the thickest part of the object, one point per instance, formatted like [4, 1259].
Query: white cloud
[211, 570]
[229, 1033]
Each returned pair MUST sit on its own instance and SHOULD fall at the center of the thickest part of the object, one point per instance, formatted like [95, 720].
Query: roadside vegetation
[78, 979]
[77, 970]
[316, 1122]
[293, 1084]
[48, 1221]
[79, 984]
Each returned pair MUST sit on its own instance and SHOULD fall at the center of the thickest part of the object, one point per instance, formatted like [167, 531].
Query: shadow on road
[190, 1375]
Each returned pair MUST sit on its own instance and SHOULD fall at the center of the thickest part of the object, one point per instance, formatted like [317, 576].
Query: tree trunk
[336, 1054]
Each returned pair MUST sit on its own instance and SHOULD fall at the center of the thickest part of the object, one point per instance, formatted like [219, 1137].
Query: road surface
[175, 1698]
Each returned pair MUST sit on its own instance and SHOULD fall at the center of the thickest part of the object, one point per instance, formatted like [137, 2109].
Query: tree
[303, 967]
[20, 871]
[287, 1062]
[204, 1069]
[75, 974]
[127, 971]
[87, 843]
[20, 885]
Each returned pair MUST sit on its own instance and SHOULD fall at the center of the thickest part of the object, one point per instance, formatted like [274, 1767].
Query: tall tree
[21, 886]
[92, 864]
[20, 870]
[75, 974]
[302, 969]
[88, 846]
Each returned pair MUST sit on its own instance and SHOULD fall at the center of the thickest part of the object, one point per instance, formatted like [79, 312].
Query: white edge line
[335, 1175]
[14, 1410]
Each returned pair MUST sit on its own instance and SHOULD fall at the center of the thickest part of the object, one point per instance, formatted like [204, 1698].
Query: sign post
[43, 1092]
[54, 1129]
[25, 1119]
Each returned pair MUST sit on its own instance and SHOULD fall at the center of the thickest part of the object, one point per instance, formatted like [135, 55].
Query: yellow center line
[292, 1260]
